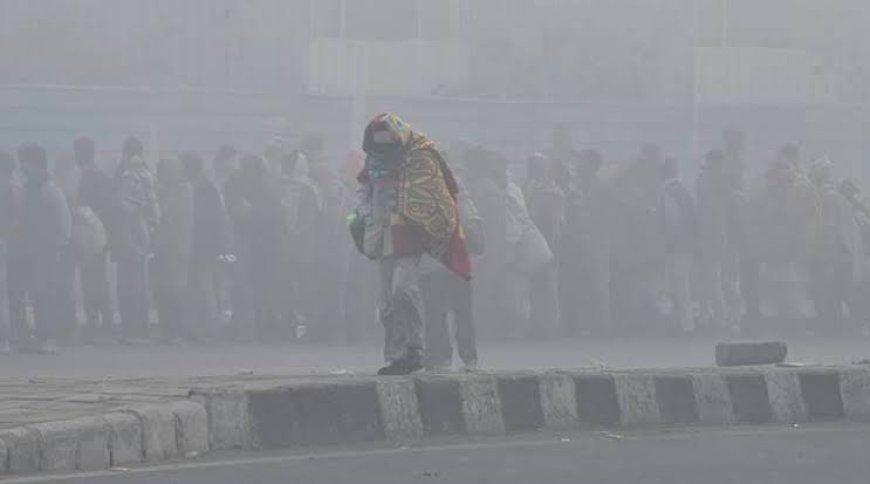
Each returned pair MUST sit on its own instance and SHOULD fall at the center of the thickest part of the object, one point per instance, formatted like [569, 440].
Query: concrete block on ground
[125, 438]
[675, 398]
[749, 398]
[22, 450]
[441, 406]
[481, 406]
[520, 400]
[558, 402]
[821, 393]
[229, 422]
[597, 400]
[784, 392]
[855, 392]
[400, 410]
[158, 432]
[751, 353]
[637, 399]
[80, 444]
[191, 427]
[712, 398]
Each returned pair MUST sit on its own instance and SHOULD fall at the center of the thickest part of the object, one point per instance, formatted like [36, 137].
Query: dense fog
[198, 171]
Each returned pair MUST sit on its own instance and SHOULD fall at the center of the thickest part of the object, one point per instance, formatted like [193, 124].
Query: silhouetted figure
[136, 215]
[40, 249]
[10, 212]
[172, 245]
[91, 218]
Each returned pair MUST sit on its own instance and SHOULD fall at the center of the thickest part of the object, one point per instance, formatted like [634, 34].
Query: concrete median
[322, 411]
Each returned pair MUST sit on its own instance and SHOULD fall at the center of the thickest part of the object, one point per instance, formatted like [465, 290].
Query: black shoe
[405, 365]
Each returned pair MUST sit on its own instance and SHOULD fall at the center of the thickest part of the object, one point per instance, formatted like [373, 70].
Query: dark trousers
[96, 298]
[445, 293]
[169, 287]
[832, 286]
[41, 281]
[133, 295]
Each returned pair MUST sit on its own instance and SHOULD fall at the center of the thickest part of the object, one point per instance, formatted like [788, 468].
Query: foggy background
[188, 74]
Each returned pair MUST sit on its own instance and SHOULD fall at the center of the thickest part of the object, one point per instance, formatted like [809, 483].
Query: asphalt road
[830, 454]
[165, 361]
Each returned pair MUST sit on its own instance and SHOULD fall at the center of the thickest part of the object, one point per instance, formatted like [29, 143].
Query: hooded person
[408, 207]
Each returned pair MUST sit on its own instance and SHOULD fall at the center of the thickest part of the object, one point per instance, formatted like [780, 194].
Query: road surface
[834, 453]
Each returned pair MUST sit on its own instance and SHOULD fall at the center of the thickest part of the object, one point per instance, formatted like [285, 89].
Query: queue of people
[254, 247]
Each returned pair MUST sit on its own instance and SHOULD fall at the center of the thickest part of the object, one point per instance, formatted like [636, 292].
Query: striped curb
[365, 409]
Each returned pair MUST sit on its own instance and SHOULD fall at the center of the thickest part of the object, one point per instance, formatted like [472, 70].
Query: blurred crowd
[255, 247]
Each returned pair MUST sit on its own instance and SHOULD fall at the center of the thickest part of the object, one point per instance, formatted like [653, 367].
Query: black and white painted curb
[367, 409]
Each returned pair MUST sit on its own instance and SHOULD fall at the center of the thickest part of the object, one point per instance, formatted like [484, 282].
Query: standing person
[90, 238]
[835, 254]
[487, 180]
[262, 236]
[224, 166]
[301, 216]
[172, 245]
[679, 224]
[332, 255]
[584, 267]
[41, 247]
[638, 248]
[408, 208]
[137, 213]
[546, 204]
[10, 207]
[207, 246]
[714, 193]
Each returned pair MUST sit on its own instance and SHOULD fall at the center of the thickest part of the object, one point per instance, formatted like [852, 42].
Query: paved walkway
[94, 380]
[179, 361]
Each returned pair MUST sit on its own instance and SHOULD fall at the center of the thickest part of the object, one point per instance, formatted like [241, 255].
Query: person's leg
[19, 277]
[680, 288]
[45, 299]
[731, 291]
[5, 325]
[439, 351]
[402, 314]
[544, 303]
[133, 296]
[463, 319]
[95, 292]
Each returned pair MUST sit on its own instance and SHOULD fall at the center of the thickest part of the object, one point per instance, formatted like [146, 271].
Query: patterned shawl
[427, 195]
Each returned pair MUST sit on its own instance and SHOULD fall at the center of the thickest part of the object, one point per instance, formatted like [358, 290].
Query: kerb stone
[191, 427]
[125, 438]
[229, 421]
[855, 392]
[400, 410]
[158, 432]
[637, 399]
[558, 402]
[481, 406]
